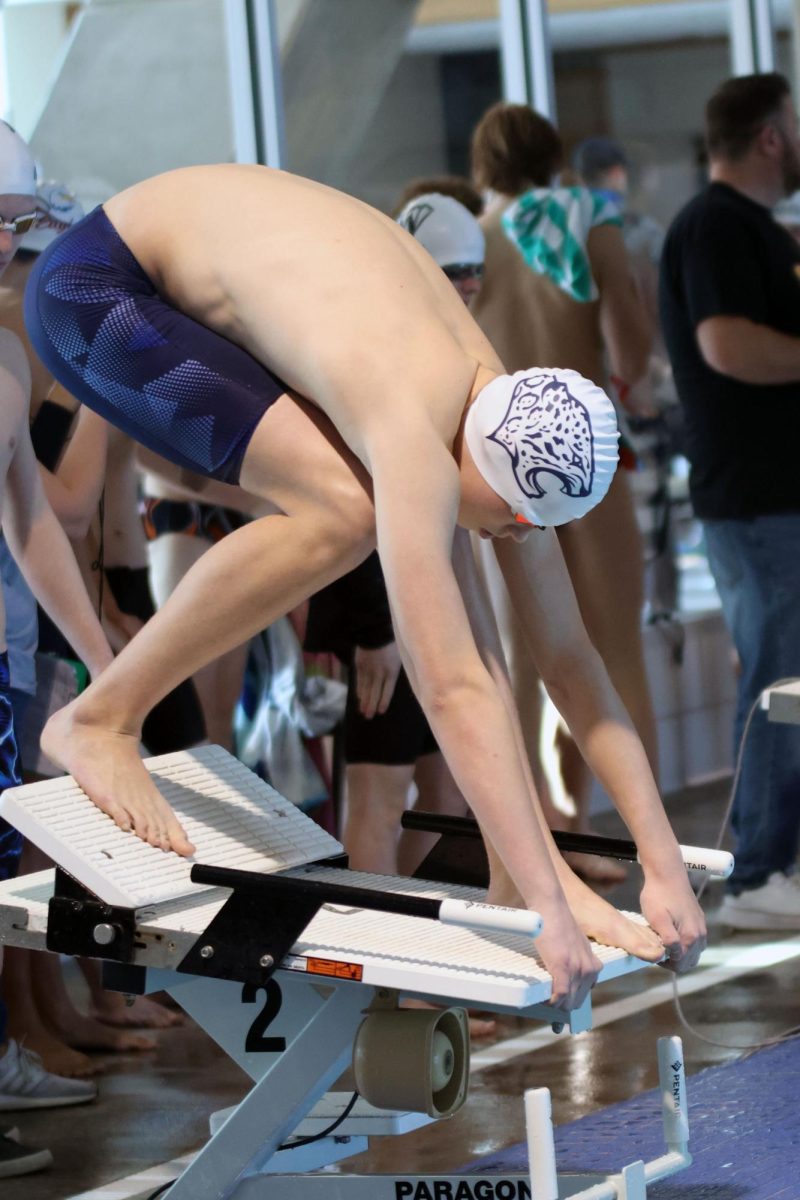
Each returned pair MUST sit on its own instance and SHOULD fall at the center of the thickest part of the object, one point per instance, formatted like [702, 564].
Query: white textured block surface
[233, 818]
[382, 949]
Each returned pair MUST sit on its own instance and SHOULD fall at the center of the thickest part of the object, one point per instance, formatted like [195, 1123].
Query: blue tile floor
[744, 1130]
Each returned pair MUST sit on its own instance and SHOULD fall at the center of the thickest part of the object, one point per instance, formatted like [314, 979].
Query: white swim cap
[546, 441]
[446, 229]
[17, 168]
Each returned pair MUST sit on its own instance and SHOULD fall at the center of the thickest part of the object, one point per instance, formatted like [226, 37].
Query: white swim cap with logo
[17, 166]
[546, 441]
[446, 229]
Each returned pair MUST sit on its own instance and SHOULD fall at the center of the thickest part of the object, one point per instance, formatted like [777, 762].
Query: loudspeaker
[415, 1060]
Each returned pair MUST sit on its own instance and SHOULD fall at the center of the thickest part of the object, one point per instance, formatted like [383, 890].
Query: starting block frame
[289, 1016]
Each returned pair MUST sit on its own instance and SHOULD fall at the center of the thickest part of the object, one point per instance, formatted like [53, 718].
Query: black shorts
[395, 738]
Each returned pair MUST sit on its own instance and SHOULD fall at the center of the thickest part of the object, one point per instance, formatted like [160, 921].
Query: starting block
[294, 965]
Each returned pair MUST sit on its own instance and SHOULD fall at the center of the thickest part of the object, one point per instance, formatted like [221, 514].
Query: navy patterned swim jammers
[100, 326]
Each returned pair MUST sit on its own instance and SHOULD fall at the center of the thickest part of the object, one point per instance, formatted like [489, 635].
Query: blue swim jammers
[98, 323]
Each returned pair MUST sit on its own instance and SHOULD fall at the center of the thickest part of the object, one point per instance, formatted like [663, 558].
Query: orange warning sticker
[334, 970]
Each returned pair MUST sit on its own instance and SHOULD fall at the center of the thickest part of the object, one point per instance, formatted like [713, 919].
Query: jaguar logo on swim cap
[546, 441]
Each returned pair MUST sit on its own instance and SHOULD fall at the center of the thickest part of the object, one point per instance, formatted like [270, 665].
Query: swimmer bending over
[270, 332]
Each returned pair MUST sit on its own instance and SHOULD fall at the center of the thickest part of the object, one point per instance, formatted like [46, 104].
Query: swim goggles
[461, 272]
[22, 224]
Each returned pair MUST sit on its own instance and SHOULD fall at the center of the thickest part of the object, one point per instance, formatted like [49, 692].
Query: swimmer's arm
[578, 683]
[416, 486]
[40, 547]
[75, 488]
[416, 501]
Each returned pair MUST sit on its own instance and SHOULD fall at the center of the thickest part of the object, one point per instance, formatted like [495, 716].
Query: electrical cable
[788, 1035]
[295, 1145]
[317, 1137]
[160, 1191]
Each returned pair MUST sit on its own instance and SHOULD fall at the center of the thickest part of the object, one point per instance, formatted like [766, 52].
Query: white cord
[788, 1035]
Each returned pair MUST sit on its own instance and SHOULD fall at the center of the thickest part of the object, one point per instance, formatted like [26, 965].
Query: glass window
[117, 90]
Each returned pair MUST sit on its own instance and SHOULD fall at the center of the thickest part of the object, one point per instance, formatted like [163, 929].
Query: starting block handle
[450, 912]
[490, 916]
[718, 863]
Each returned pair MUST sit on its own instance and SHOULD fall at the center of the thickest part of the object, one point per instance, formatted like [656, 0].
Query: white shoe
[774, 905]
[24, 1083]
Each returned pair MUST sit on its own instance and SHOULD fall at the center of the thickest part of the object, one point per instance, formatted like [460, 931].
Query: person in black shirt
[730, 307]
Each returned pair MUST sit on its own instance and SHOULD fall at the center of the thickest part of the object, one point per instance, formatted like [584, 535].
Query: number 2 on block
[255, 1042]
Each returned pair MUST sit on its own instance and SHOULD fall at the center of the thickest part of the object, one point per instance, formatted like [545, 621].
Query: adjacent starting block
[294, 965]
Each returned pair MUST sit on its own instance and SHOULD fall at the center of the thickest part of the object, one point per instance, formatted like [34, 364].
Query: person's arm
[578, 683]
[376, 658]
[748, 351]
[718, 270]
[43, 554]
[416, 485]
[75, 488]
[624, 323]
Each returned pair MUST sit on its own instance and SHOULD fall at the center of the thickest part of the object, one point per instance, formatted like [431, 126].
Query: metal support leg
[318, 1049]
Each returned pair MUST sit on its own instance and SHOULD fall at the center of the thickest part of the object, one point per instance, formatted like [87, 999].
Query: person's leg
[380, 752]
[603, 553]
[376, 800]
[524, 678]
[437, 792]
[176, 722]
[25, 1022]
[604, 557]
[756, 566]
[218, 684]
[297, 461]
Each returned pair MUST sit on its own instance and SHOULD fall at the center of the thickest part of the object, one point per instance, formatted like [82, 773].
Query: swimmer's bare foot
[57, 1058]
[601, 922]
[503, 892]
[86, 1033]
[108, 767]
[112, 1009]
[596, 870]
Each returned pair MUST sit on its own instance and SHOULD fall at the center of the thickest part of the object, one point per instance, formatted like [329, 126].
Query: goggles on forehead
[461, 272]
[22, 224]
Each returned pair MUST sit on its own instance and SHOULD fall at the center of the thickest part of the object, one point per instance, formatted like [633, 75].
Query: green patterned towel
[550, 228]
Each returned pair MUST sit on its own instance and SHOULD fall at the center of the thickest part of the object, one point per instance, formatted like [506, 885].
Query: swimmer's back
[327, 292]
